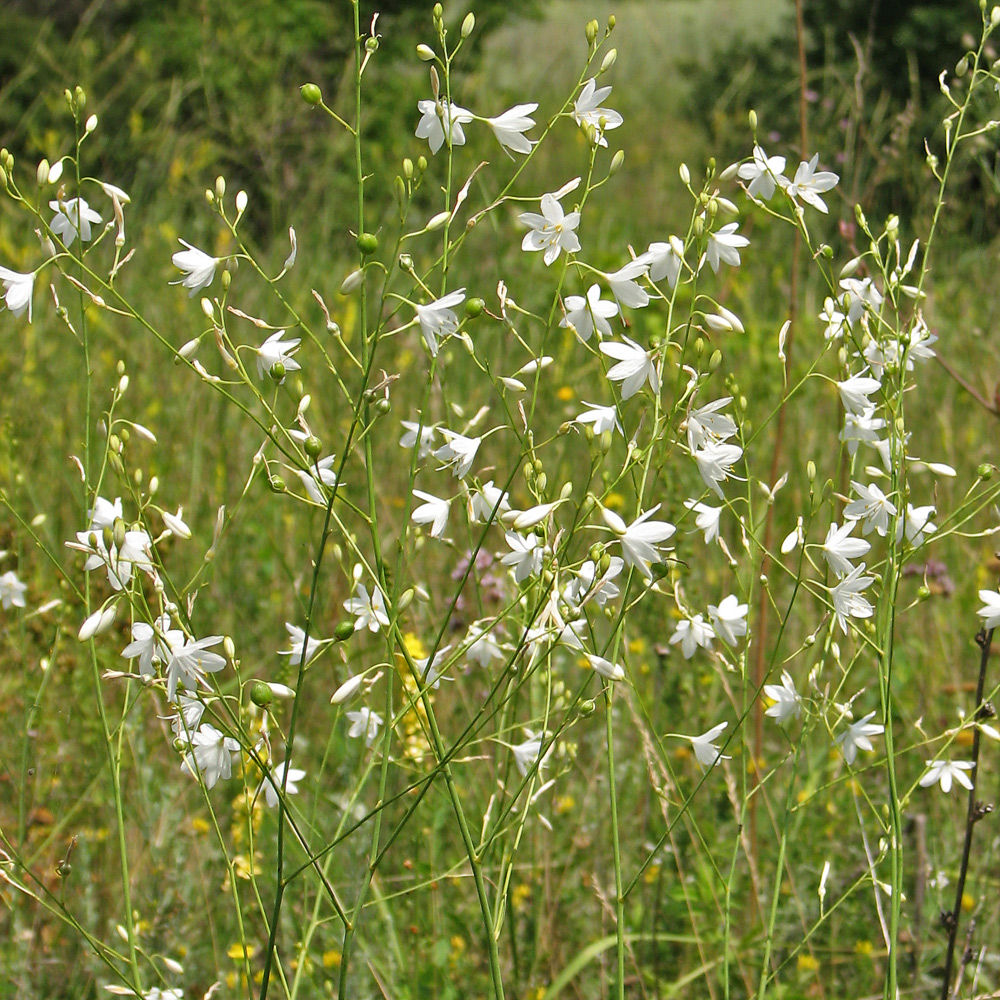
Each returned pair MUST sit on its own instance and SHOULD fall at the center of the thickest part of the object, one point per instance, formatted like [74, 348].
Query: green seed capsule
[260, 694]
[343, 631]
[311, 94]
[367, 243]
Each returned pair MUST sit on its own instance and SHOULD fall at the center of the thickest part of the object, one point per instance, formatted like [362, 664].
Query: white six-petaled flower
[729, 619]
[857, 737]
[458, 453]
[763, 173]
[270, 788]
[438, 116]
[433, 511]
[635, 367]
[438, 319]
[73, 218]
[847, 597]
[509, 128]
[724, 247]
[787, 701]
[275, 351]
[554, 230]
[808, 184]
[364, 723]
[943, 771]
[587, 314]
[368, 609]
[990, 611]
[211, 754]
[640, 538]
[692, 633]
[587, 111]
[19, 288]
[704, 747]
[872, 506]
[839, 548]
[198, 267]
[11, 590]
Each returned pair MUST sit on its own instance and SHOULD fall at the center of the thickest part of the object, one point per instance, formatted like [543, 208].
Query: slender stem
[615, 846]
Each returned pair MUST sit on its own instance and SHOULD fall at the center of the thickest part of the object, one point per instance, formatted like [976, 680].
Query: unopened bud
[994, 17]
[425, 52]
[685, 174]
[349, 688]
[609, 60]
[753, 120]
[352, 282]
[90, 124]
[591, 30]
[220, 187]
[405, 262]
[468, 24]
[616, 162]
[407, 167]
[437, 221]
[405, 600]
[241, 202]
[811, 470]
[42, 172]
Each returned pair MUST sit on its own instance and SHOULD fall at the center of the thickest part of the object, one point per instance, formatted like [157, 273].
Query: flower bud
[994, 17]
[425, 52]
[753, 120]
[407, 167]
[437, 221]
[811, 470]
[220, 187]
[609, 60]
[591, 30]
[962, 67]
[80, 96]
[405, 600]
[3, 178]
[352, 282]
[405, 262]
[468, 24]
[260, 694]
[90, 124]
[343, 631]
[421, 164]
[42, 172]
[241, 202]
[349, 688]
[118, 531]
[616, 162]
[311, 94]
[100, 621]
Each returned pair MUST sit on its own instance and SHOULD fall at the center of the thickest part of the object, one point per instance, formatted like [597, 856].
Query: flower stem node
[343, 631]
[367, 243]
[260, 694]
[311, 94]
[474, 308]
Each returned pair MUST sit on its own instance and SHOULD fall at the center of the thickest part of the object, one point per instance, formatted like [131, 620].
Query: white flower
[624, 285]
[944, 771]
[458, 453]
[486, 502]
[428, 671]
[707, 519]
[916, 525]
[715, 462]
[704, 746]
[989, 612]
[610, 671]
[188, 718]
[587, 314]
[275, 351]
[586, 110]
[526, 753]
[861, 427]
[527, 555]
[724, 247]
[640, 538]
[435, 117]
[588, 586]
[409, 439]
[270, 787]
[318, 476]
[434, 511]
[438, 320]
[859, 294]
[809, 185]
[175, 523]
[604, 418]
[151, 642]
[297, 638]
[135, 551]
[72, 218]
[198, 268]
[854, 393]
[873, 506]
[11, 590]
[552, 231]
[763, 173]
[369, 610]
[19, 288]
[366, 723]
[848, 601]
[787, 701]
[190, 661]
[856, 737]
[836, 321]
[212, 755]
[729, 619]
[664, 262]
[706, 424]
[481, 646]
[692, 633]
[635, 366]
[839, 548]
[509, 128]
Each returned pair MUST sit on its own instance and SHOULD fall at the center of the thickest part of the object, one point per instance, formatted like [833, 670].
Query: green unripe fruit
[260, 694]
[277, 484]
[311, 94]
[588, 707]
[371, 45]
[474, 308]
[277, 371]
[367, 243]
[985, 471]
[382, 406]
[343, 631]
[312, 446]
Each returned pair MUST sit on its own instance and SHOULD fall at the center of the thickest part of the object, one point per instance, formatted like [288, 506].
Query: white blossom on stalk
[211, 754]
[586, 111]
[409, 439]
[588, 585]
[438, 319]
[275, 351]
[297, 639]
[458, 453]
[190, 660]
[854, 393]
[692, 633]
[151, 642]
[635, 367]
[364, 723]
[808, 184]
[584, 315]
[943, 771]
[848, 599]
[175, 523]
[861, 427]
[916, 525]
[526, 754]
[526, 555]
[705, 750]
[859, 294]
[481, 646]
[554, 230]
[270, 787]
[836, 322]
[318, 476]
[625, 286]
[664, 262]
[19, 288]
[198, 267]
[72, 218]
[787, 701]
[509, 128]
[763, 173]
[990, 611]
[428, 671]
[433, 511]
[715, 461]
[11, 590]
[706, 423]
[438, 116]
[640, 538]
[603, 418]
[857, 737]
[724, 247]
[839, 548]
[707, 519]
[368, 609]
[189, 712]
[487, 501]
[729, 619]
[872, 506]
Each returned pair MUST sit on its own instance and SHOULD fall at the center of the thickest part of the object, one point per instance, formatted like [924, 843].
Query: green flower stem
[615, 844]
